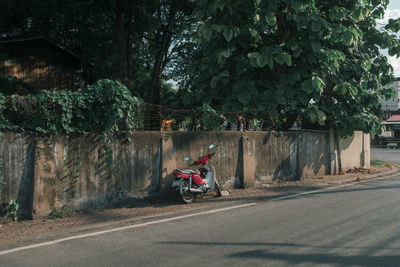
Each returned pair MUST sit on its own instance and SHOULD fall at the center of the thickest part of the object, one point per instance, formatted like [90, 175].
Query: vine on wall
[102, 108]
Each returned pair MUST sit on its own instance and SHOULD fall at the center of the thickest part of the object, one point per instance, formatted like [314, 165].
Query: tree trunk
[130, 25]
[155, 87]
[122, 40]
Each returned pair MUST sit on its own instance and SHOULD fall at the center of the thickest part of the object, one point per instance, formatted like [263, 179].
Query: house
[392, 127]
[392, 106]
[40, 62]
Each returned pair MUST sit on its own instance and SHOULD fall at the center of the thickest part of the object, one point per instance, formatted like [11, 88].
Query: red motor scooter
[188, 183]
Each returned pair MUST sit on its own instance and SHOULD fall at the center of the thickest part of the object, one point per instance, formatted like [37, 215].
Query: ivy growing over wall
[102, 108]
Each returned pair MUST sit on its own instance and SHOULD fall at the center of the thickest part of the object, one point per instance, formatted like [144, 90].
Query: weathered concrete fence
[84, 173]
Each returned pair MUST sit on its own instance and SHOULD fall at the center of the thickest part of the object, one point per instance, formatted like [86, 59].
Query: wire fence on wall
[157, 117]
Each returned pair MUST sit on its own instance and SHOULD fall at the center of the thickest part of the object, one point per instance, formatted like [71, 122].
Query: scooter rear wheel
[186, 195]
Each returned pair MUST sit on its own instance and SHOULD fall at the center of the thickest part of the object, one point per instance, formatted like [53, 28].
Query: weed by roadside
[380, 163]
[9, 212]
[59, 213]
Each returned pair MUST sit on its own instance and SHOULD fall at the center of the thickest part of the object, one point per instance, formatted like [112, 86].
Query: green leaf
[244, 97]
[226, 53]
[252, 88]
[315, 26]
[288, 59]
[280, 99]
[219, 4]
[200, 14]
[358, 14]
[357, 33]
[254, 55]
[216, 28]
[253, 32]
[312, 84]
[302, 22]
[352, 90]
[262, 61]
[225, 73]
[307, 86]
[316, 46]
[214, 81]
[207, 32]
[296, 5]
[303, 99]
[294, 46]
[337, 13]
[321, 117]
[347, 37]
[228, 35]
[186, 100]
[271, 19]
[341, 88]
[279, 59]
[312, 116]
[318, 84]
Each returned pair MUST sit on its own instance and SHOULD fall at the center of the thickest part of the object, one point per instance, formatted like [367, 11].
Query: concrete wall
[355, 151]
[269, 157]
[83, 173]
[16, 171]
[313, 154]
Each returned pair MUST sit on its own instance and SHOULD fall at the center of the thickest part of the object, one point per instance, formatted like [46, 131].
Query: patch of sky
[392, 12]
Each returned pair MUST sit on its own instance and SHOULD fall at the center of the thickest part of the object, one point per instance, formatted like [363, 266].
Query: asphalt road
[358, 225]
[392, 155]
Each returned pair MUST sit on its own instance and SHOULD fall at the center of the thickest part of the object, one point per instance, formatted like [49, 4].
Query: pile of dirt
[361, 170]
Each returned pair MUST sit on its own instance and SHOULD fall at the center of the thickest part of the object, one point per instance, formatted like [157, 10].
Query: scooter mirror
[211, 146]
[186, 159]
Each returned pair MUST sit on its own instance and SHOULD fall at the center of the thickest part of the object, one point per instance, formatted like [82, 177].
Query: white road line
[333, 187]
[312, 192]
[4, 252]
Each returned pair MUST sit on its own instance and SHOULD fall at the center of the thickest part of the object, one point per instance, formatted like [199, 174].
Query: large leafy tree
[132, 41]
[316, 62]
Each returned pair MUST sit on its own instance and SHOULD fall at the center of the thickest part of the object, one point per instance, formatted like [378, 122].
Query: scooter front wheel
[186, 195]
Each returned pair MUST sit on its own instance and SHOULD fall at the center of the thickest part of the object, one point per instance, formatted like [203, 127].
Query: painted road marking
[333, 187]
[4, 252]
[312, 192]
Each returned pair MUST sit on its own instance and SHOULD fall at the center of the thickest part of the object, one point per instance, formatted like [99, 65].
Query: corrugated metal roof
[5, 41]
[394, 118]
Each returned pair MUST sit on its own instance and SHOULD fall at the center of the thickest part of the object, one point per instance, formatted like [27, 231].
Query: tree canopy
[316, 63]
[313, 63]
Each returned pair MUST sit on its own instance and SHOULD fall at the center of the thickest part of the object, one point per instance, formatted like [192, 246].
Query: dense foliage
[135, 42]
[104, 108]
[314, 63]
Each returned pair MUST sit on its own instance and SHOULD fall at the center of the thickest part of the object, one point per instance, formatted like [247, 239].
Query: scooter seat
[186, 171]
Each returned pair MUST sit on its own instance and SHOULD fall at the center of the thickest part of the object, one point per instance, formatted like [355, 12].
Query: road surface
[355, 225]
[392, 155]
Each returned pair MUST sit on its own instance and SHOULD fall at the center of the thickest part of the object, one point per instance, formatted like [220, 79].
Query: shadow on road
[320, 258]
[362, 259]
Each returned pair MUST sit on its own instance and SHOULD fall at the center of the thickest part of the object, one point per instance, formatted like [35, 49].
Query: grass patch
[380, 163]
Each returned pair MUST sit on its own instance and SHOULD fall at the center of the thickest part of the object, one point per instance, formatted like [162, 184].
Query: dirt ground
[13, 234]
